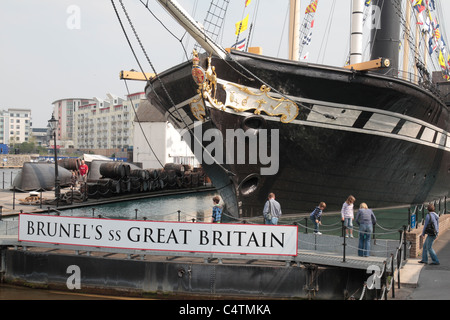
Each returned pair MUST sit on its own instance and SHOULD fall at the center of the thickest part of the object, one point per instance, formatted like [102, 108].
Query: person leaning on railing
[365, 218]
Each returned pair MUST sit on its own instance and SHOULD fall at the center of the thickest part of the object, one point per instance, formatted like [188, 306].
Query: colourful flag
[307, 39]
[312, 7]
[432, 5]
[247, 2]
[431, 46]
[437, 34]
[417, 4]
[239, 45]
[241, 26]
[441, 59]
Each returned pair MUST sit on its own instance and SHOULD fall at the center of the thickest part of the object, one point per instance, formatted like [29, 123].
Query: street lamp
[53, 126]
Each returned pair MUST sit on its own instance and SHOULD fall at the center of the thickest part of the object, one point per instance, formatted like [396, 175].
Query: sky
[58, 49]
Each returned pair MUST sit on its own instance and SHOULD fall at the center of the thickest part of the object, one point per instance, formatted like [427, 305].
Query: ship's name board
[160, 236]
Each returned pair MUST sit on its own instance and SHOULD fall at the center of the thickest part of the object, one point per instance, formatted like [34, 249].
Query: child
[347, 215]
[316, 215]
[217, 210]
[74, 179]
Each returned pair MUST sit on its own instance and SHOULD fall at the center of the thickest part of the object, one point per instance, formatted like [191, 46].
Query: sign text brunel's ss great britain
[160, 236]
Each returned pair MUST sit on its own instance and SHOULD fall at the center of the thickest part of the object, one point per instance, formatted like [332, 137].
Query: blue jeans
[273, 221]
[348, 223]
[428, 248]
[316, 225]
[365, 233]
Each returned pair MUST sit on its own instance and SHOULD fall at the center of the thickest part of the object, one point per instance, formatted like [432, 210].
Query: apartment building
[106, 123]
[15, 126]
[63, 111]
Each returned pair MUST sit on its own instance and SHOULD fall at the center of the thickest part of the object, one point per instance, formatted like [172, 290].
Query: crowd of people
[364, 218]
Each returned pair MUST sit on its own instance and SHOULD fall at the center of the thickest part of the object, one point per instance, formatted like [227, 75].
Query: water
[182, 208]
[389, 222]
[7, 177]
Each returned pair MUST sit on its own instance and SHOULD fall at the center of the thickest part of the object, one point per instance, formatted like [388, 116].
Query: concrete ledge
[409, 274]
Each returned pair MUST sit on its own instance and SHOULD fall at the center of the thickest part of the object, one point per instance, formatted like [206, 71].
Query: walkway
[428, 282]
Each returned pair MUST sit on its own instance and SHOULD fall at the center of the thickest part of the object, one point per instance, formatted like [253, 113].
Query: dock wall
[176, 278]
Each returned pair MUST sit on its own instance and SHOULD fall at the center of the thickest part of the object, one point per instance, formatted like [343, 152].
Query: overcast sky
[57, 49]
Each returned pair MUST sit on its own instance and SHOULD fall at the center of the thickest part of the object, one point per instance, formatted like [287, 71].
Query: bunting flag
[429, 26]
[442, 60]
[432, 5]
[307, 39]
[437, 34]
[431, 46]
[241, 26]
[247, 2]
[312, 7]
[239, 45]
[417, 4]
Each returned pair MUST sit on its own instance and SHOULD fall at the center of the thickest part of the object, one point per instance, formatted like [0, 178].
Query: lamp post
[53, 125]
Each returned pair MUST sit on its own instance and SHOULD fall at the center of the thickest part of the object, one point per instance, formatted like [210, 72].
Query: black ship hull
[381, 139]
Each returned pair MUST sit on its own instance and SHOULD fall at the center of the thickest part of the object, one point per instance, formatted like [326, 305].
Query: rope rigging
[171, 102]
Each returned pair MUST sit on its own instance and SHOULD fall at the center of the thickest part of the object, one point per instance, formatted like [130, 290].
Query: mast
[294, 30]
[406, 43]
[192, 27]
[356, 53]
[386, 39]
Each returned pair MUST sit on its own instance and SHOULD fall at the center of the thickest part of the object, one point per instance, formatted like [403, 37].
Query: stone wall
[15, 160]
[417, 242]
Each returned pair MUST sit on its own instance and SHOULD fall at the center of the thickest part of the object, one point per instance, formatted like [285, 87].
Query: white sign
[160, 236]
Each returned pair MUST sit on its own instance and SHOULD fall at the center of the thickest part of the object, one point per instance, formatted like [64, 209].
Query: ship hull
[380, 139]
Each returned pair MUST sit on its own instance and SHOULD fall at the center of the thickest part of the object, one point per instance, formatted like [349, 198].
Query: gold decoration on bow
[239, 98]
[245, 99]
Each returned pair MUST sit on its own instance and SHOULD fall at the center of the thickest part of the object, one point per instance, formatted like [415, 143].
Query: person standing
[272, 210]
[316, 217]
[217, 210]
[431, 229]
[83, 169]
[366, 219]
[347, 215]
[74, 179]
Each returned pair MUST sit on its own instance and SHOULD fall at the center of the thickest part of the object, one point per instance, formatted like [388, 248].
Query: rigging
[172, 103]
